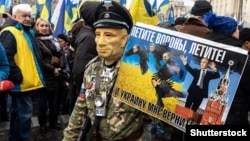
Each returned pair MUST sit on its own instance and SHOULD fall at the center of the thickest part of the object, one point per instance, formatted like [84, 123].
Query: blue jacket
[4, 64]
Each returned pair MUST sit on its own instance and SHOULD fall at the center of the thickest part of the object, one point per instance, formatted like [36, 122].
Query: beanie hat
[166, 25]
[180, 20]
[221, 24]
[63, 37]
[201, 7]
[245, 34]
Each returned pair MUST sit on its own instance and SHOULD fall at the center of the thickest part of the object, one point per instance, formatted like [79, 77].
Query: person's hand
[212, 65]
[57, 71]
[183, 59]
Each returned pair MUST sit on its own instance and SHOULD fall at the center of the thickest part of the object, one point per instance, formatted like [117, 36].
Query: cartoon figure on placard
[157, 53]
[143, 54]
[201, 78]
[170, 68]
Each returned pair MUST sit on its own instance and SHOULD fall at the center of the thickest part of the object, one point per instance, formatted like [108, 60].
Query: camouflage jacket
[120, 121]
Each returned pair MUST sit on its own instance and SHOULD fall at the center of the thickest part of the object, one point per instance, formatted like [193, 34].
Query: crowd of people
[66, 72]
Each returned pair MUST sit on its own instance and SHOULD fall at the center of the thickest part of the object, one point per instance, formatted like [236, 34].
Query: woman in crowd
[52, 65]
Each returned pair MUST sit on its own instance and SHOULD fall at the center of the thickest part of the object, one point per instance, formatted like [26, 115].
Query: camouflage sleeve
[72, 131]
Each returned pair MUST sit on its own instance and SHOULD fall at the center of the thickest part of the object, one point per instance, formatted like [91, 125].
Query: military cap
[111, 14]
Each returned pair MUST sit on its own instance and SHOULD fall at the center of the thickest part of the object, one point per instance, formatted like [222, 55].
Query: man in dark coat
[85, 47]
[199, 86]
[225, 30]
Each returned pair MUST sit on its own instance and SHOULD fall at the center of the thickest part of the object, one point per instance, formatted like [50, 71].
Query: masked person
[118, 121]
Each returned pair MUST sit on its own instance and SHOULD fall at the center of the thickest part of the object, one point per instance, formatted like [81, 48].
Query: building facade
[238, 9]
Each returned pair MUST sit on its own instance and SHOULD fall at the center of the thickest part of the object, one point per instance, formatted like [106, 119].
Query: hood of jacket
[9, 22]
[87, 12]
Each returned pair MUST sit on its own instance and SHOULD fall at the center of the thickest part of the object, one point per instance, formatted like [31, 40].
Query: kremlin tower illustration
[217, 102]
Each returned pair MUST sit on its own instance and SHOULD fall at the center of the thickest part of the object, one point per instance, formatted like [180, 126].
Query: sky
[188, 2]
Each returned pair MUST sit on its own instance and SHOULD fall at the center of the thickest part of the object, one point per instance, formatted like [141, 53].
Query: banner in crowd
[161, 75]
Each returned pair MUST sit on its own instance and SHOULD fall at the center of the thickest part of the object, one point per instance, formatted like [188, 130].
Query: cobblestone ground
[51, 135]
[57, 135]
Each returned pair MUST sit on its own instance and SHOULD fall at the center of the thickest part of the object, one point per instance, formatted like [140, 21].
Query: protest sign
[159, 70]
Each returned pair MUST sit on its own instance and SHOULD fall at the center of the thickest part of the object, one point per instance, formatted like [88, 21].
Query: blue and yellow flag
[41, 1]
[2, 6]
[71, 14]
[59, 27]
[164, 6]
[171, 15]
[154, 6]
[141, 11]
[35, 10]
[46, 11]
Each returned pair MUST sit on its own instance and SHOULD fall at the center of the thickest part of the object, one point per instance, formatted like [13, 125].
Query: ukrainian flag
[164, 6]
[141, 11]
[46, 11]
[59, 27]
[2, 6]
[171, 15]
[35, 10]
[41, 1]
[68, 15]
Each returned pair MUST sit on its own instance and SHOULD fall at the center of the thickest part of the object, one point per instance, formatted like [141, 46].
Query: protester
[25, 59]
[85, 47]
[120, 120]
[62, 99]
[53, 65]
[244, 85]
[195, 27]
[225, 30]
[179, 21]
[244, 36]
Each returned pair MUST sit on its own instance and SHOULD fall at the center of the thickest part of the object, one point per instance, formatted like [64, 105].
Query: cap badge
[106, 16]
[107, 4]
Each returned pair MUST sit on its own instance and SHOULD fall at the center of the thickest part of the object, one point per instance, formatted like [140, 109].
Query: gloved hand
[6, 85]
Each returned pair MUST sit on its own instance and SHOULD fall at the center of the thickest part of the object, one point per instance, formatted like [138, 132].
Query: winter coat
[25, 78]
[51, 80]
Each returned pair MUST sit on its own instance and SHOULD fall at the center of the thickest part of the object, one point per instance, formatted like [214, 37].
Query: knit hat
[63, 37]
[221, 24]
[245, 34]
[201, 7]
[166, 25]
[180, 20]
